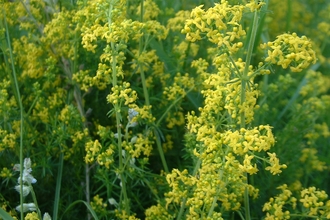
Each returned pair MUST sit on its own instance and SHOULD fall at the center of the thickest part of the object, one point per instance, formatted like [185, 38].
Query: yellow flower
[275, 167]
[289, 50]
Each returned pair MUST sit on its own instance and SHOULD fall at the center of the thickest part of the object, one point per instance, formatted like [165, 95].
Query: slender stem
[146, 95]
[161, 153]
[244, 82]
[118, 118]
[19, 101]
[143, 77]
[31, 16]
[34, 198]
[144, 85]
[245, 77]
[288, 15]
[58, 186]
[171, 106]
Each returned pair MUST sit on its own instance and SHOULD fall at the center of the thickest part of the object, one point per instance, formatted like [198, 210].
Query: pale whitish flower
[16, 167]
[26, 189]
[27, 207]
[27, 164]
[132, 124]
[112, 201]
[133, 139]
[132, 161]
[116, 135]
[46, 216]
[132, 113]
[27, 177]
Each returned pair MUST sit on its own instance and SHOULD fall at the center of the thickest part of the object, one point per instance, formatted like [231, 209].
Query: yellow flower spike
[220, 24]
[177, 23]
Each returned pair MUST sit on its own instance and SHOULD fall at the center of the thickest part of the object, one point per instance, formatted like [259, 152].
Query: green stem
[161, 153]
[244, 82]
[143, 77]
[170, 107]
[21, 111]
[146, 96]
[144, 86]
[118, 118]
[288, 16]
[58, 186]
[34, 198]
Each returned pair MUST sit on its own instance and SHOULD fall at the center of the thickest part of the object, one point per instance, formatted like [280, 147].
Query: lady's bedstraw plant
[107, 25]
[225, 146]
[116, 93]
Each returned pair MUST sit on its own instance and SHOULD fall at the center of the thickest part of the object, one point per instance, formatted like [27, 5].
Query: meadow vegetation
[151, 109]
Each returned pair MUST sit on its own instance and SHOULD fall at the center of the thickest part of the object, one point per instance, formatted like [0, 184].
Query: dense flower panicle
[28, 59]
[98, 205]
[175, 119]
[57, 36]
[275, 166]
[315, 201]
[151, 10]
[317, 83]
[5, 173]
[119, 50]
[220, 24]
[158, 212]
[145, 114]
[276, 207]
[178, 89]
[92, 149]
[289, 50]
[145, 59]
[257, 139]
[140, 145]
[312, 162]
[122, 95]
[177, 23]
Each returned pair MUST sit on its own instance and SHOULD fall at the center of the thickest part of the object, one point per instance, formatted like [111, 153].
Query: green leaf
[4, 215]
[90, 209]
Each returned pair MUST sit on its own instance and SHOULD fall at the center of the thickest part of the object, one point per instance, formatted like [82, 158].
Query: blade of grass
[4, 215]
[91, 210]
[58, 187]
[19, 102]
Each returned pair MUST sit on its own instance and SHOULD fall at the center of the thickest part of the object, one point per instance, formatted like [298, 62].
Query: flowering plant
[165, 109]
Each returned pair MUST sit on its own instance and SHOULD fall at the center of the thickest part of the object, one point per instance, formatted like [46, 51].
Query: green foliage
[154, 109]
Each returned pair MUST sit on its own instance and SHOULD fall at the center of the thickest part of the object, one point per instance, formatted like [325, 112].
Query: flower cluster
[276, 207]
[219, 24]
[289, 50]
[315, 202]
[122, 95]
[110, 88]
